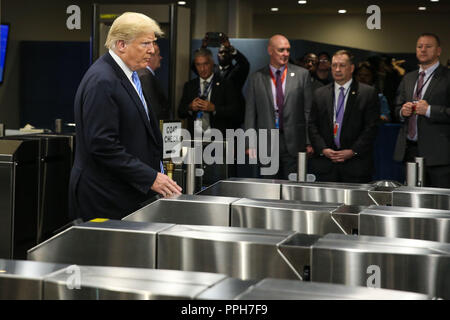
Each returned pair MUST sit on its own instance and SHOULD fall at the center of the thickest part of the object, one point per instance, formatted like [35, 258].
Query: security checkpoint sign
[171, 138]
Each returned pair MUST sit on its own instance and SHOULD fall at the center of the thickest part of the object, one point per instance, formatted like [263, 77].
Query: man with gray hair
[208, 99]
[119, 147]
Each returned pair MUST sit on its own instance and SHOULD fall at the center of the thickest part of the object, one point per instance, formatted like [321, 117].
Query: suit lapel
[215, 86]
[410, 86]
[330, 105]
[290, 83]
[433, 82]
[351, 101]
[267, 81]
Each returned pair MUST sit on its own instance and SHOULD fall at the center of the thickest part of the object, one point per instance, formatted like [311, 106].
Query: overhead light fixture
[302, 2]
[434, 0]
[182, 3]
[342, 11]
[274, 9]
[422, 8]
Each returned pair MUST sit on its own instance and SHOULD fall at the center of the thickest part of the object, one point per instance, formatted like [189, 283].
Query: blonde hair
[129, 26]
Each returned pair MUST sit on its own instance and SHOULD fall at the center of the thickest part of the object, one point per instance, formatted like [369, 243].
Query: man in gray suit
[279, 97]
[423, 104]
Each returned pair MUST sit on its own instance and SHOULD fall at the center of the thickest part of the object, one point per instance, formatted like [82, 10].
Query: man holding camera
[236, 73]
[423, 104]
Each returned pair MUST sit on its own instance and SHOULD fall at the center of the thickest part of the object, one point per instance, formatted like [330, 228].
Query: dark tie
[205, 86]
[412, 122]
[280, 97]
[339, 116]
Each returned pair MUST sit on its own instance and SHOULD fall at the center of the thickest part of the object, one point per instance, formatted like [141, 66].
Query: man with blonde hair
[119, 147]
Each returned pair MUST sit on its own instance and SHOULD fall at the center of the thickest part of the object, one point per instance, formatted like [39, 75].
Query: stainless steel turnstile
[237, 252]
[390, 263]
[103, 243]
[403, 222]
[280, 289]
[303, 216]
[36, 280]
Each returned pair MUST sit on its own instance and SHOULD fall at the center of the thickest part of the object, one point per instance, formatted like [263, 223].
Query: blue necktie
[137, 83]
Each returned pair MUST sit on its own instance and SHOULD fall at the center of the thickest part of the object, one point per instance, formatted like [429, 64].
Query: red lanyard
[282, 77]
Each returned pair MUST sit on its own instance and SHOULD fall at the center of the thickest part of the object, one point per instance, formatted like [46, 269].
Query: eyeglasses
[324, 60]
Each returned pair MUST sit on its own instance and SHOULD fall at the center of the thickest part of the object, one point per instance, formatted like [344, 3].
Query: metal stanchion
[58, 125]
[301, 167]
[190, 171]
[411, 174]
[420, 171]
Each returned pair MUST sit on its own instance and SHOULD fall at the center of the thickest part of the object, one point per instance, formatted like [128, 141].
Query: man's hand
[251, 153]
[225, 41]
[329, 153]
[407, 109]
[338, 156]
[196, 104]
[422, 107]
[309, 150]
[204, 105]
[165, 186]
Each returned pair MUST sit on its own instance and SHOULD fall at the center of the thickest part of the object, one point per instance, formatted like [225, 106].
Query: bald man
[279, 97]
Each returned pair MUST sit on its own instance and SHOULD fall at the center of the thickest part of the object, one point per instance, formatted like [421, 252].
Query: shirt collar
[151, 70]
[346, 85]
[128, 72]
[430, 70]
[274, 70]
[209, 79]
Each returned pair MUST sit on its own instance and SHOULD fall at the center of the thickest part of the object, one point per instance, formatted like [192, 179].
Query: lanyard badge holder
[198, 123]
[277, 111]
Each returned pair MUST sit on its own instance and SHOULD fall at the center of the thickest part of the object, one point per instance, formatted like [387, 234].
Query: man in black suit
[236, 73]
[423, 105]
[209, 99]
[343, 125]
[152, 87]
[119, 147]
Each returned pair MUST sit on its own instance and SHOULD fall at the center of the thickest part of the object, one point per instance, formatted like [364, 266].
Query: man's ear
[121, 45]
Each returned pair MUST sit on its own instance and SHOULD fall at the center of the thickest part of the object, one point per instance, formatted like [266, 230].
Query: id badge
[198, 125]
[335, 129]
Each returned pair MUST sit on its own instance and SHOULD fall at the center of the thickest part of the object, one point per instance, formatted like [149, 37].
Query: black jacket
[223, 96]
[359, 127]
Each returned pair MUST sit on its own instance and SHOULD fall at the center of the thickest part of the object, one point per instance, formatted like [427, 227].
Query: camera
[214, 39]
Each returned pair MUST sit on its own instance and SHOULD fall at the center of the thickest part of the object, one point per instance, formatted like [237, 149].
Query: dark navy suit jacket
[118, 149]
